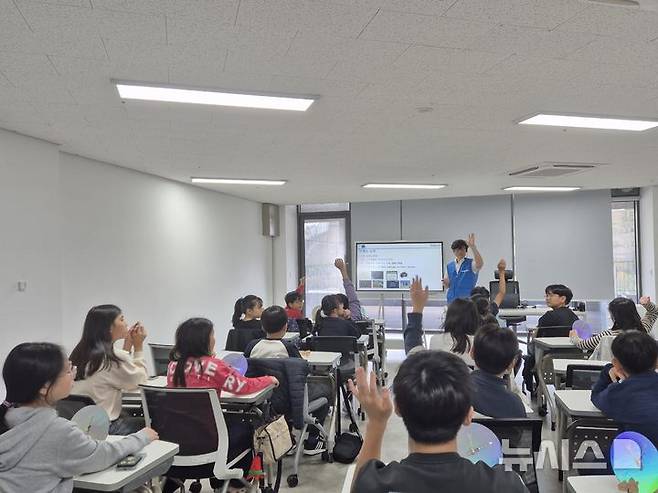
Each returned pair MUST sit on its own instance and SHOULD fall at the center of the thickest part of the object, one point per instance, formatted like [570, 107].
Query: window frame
[638, 248]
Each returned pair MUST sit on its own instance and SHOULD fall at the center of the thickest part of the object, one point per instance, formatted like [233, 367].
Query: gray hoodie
[41, 452]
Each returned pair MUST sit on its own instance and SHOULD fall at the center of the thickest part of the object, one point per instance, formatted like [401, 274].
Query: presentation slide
[391, 266]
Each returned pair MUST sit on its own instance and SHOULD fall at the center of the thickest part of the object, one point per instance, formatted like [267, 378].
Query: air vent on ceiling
[641, 4]
[552, 170]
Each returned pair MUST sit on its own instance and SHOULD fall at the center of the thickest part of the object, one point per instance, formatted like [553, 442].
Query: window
[625, 248]
[324, 237]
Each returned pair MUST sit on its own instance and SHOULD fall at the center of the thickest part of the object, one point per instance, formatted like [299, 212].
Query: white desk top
[577, 403]
[530, 311]
[554, 342]
[321, 358]
[560, 365]
[590, 484]
[112, 479]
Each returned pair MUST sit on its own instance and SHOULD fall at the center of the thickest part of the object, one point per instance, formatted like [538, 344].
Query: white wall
[161, 250]
[285, 263]
[82, 233]
[649, 240]
[29, 241]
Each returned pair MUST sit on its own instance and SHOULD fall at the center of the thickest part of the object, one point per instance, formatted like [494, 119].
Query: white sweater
[445, 342]
[105, 386]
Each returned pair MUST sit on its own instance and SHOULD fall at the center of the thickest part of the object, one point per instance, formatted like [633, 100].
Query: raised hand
[419, 296]
[339, 263]
[374, 401]
[471, 240]
[502, 265]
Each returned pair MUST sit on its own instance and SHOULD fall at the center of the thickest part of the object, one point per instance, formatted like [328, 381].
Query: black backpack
[347, 447]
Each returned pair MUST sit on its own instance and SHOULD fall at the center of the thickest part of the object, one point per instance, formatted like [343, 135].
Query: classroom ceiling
[418, 91]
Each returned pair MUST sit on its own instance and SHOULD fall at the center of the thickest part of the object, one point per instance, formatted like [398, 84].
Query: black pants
[126, 425]
[315, 391]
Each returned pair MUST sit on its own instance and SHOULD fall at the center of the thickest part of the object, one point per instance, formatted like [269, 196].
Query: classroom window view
[325, 239]
[625, 248]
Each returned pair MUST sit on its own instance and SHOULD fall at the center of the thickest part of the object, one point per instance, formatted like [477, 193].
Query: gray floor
[316, 476]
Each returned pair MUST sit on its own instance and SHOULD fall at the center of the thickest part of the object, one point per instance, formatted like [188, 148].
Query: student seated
[103, 373]
[333, 322]
[557, 297]
[495, 351]
[40, 451]
[627, 390]
[351, 303]
[624, 318]
[246, 322]
[274, 321]
[295, 302]
[433, 396]
[479, 293]
[193, 364]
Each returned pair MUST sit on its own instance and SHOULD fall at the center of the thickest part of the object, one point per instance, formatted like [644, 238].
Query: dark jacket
[334, 326]
[492, 397]
[560, 317]
[239, 337]
[288, 397]
[633, 403]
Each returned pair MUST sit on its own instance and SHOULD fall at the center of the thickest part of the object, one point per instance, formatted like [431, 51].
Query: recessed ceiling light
[403, 185]
[235, 181]
[217, 98]
[541, 189]
[599, 122]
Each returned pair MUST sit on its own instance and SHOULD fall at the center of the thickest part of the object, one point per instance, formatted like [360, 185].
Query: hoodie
[42, 452]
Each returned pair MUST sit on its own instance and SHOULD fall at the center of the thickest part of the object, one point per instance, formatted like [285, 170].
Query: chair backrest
[523, 437]
[305, 327]
[192, 418]
[582, 377]
[603, 352]
[585, 434]
[345, 345]
[546, 364]
[67, 407]
[239, 339]
[160, 356]
[364, 326]
[512, 297]
[553, 331]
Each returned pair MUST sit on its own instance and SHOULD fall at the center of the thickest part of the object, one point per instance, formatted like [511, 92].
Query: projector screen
[392, 265]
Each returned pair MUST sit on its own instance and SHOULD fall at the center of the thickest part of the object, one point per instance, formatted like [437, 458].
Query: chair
[192, 418]
[546, 377]
[67, 407]
[524, 438]
[512, 299]
[348, 348]
[284, 400]
[553, 331]
[583, 435]
[305, 327]
[160, 356]
[239, 339]
[582, 377]
[603, 352]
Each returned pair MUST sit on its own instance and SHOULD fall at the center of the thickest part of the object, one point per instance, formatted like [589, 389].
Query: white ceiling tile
[364, 59]
[614, 21]
[326, 88]
[619, 51]
[519, 67]
[427, 59]
[290, 16]
[537, 13]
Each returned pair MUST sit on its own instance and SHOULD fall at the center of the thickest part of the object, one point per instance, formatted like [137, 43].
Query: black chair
[583, 435]
[348, 347]
[582, 377]
[305, 327]
[512, 299]
[193, 418]
[523, 439]
[66, 408]
[239, 339]
[160, 356]
[554, 331]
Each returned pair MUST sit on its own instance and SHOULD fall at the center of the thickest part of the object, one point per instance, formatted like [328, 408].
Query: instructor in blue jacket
[463, 272]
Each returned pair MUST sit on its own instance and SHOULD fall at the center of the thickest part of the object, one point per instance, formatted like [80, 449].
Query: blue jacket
[632, 403]
[462, 282]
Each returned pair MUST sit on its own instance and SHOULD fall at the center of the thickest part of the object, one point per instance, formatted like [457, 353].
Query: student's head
[194, 338]
[35, 373]
[557, 295]
[459, 248]
[330, 306]
[433, 393]
[346, 303]
[251, 307]
[294, 300]
[274, 320]
[462, 320]
[103, 325]
[495, 349]
[624, 315]
[635, 351]
[480, 291]
[482, 305]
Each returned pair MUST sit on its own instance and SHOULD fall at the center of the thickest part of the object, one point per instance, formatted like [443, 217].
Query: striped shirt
[591, 343]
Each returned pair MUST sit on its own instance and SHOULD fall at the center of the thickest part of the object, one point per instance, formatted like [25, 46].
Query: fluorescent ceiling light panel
[541, 189]
[403, 185]
[237, 181]
[598, 122]
[216, 98]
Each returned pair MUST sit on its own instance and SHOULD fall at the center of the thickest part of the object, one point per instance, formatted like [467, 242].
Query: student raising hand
[419, 296]
[375, 402]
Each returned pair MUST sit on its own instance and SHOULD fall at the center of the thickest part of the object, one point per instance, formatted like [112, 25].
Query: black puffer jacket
[288, 397]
